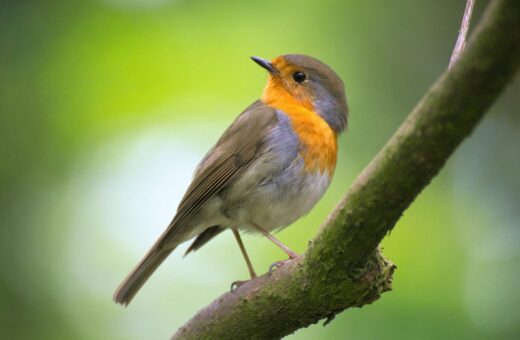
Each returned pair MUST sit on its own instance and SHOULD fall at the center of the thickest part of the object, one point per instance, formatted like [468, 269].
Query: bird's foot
[236, 284]
[279, 264]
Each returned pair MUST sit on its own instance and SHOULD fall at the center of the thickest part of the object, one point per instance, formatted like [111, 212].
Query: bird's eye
[299, 77]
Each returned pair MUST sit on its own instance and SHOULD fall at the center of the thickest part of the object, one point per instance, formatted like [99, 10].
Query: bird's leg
[244, 253]
[236, 284]
[282, 246]
[273, 239]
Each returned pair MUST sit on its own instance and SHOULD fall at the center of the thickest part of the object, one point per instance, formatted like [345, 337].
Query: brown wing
[232, 154]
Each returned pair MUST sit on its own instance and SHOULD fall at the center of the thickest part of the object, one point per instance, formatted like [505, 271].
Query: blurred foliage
[106, 106]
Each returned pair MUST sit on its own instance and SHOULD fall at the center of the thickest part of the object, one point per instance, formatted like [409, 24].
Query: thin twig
[463, 32]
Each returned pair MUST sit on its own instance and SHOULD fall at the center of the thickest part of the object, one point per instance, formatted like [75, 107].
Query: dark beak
[265, 64]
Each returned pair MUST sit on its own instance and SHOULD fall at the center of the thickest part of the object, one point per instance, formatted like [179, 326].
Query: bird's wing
[224, 163]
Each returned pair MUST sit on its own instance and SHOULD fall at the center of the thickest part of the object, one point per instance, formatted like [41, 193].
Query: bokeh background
[106, 107]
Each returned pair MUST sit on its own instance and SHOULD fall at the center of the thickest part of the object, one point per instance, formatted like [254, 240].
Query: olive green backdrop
[106, 107]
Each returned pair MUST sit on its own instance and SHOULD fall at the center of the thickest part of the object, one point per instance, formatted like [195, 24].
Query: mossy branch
[343, 267]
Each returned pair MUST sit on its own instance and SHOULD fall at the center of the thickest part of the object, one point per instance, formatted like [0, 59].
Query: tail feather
[140, 274]
[204, 238]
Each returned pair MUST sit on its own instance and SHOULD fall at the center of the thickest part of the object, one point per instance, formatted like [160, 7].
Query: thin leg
[273, 239]
[243, 250]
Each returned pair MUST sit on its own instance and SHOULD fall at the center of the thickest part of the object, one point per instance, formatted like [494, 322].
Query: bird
[268, 169]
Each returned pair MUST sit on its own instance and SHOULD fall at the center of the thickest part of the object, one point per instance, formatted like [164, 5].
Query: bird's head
[308, 82]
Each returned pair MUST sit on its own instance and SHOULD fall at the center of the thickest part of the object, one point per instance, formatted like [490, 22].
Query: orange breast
[319, 141]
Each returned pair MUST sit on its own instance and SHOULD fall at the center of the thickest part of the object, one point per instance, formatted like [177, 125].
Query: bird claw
[277, 264]
[236, 284]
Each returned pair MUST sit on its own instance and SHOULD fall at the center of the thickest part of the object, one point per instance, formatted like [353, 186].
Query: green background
[106, 107]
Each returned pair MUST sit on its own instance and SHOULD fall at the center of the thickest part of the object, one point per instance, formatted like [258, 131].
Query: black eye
[299, 77]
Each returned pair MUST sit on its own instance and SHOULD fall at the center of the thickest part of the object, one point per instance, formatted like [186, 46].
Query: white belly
[277, 210]
[278, 202]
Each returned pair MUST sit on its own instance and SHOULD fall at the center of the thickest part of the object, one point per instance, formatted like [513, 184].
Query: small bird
[268, 169]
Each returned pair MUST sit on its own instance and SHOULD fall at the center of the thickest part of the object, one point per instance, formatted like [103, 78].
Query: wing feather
[233, 153]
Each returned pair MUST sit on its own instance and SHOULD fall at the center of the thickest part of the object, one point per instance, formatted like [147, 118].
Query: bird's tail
[138, 276]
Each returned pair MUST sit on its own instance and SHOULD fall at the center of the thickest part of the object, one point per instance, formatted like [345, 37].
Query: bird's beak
[265, 64]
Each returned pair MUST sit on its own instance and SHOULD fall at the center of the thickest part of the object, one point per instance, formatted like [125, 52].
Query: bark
[342, 266]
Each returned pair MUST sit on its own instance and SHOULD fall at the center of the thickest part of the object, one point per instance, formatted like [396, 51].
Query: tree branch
[342, 267]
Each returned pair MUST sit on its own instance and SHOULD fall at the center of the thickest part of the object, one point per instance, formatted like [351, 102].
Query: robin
[268, 169]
